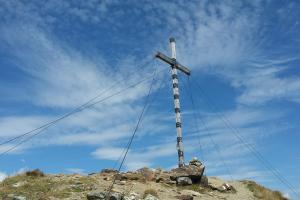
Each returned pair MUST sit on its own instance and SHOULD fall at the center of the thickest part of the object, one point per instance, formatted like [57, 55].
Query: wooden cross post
[175, 65]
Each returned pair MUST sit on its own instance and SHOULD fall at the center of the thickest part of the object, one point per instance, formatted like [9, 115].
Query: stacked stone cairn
[188, 174]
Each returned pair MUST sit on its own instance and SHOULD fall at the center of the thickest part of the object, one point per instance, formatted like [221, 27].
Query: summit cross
[175, 65]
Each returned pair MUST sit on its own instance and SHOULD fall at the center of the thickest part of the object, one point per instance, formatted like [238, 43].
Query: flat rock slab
[189, 170]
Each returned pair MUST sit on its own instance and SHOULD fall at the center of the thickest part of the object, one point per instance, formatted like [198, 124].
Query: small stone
[19, 198]
[216, 184]
[134, 194]
[115, 196]
[131, 196]
[19, 184]
[171, 182]
[118, 182]
[226, 187]
[191, 193]
[122, 183]
[96, 196]
[150, 197]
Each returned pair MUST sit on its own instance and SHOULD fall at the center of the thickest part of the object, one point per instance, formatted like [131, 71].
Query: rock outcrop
[143, 184]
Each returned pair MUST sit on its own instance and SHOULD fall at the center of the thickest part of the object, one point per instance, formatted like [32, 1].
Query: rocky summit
[186, 183]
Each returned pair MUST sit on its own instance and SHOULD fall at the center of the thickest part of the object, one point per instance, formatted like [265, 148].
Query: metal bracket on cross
[173, 62]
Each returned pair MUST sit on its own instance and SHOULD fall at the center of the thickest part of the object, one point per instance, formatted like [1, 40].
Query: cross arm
[173, 62]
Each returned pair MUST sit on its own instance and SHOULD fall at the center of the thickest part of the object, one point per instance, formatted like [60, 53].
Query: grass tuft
[261, 192]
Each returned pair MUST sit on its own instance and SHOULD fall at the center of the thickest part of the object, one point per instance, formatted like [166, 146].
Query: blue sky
[56, 55]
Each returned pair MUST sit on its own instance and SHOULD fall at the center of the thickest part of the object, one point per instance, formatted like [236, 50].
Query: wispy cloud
[15, 125]
[60, 78]
[263, 88]
[228, 40]
[75, 170]
[50, 11]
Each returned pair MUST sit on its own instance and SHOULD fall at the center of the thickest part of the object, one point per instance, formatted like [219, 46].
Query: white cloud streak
[142, 157]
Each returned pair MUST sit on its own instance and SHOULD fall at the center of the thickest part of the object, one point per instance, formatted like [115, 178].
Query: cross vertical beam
[175, 65]
[177, 106]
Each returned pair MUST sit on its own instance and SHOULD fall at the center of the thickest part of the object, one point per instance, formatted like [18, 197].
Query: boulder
[194, 170]
[162, 176]
[204, 181]
[184, 180]
[35, 173]
[188, 170]
[147, 174]
[108, 171]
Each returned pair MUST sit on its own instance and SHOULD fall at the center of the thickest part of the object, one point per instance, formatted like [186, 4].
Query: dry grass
[33, 187]
[261, 192]
[37, 186]
[196, 188]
